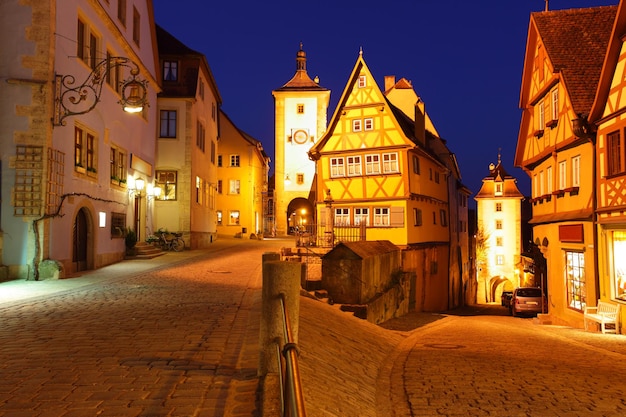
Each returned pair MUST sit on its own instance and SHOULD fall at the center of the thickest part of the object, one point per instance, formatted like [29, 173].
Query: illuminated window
[233, 217]
[555, 104]
[300, 108]
[219, 217]
[170, 70]
[576, 281]
[198, 188]
[372, 164]
[168, 124]
[166, 181]
[381, 216]
[362, 81]
[233, 187]
[562, 175]
[234, 160]
[576, 171]
[361, 215]
[498, 190]
[342, 217]
[618, 274]
[117, 161]
[390, 163]
[84, 150]
[369, 124]
[356, 125]
[337, 168]
[354, 165]
[499, 259]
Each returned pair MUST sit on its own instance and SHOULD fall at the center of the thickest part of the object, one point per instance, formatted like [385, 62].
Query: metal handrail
[290, 385]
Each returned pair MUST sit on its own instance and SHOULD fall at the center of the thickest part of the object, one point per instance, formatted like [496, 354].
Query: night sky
[464, 59]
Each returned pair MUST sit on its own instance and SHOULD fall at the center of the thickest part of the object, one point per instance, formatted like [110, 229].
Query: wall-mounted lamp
[140, 184]
[70, 100]
[287, 180]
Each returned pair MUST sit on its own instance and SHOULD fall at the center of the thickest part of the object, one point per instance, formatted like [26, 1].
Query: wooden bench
[605, 313]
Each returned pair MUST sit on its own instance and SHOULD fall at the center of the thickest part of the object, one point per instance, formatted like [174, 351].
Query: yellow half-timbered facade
[375, 169]
[609, 116]
[555, 149]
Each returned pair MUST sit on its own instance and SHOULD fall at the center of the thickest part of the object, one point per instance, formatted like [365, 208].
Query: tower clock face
[300, 136]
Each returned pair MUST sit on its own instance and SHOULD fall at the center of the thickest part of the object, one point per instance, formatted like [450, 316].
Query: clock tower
[300, 108]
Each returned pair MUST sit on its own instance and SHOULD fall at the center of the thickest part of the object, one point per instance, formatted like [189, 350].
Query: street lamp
[70, 100]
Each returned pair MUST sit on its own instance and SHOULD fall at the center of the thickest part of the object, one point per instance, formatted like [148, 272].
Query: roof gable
[567, 33]
[610, 63]
[359, 97]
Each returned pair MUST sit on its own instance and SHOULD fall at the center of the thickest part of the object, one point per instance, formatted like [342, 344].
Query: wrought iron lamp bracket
[71, 100]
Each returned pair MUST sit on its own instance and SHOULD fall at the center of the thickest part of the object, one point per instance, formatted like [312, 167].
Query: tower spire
[301, 59]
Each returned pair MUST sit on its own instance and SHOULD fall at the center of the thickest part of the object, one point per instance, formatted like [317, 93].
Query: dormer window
[498, 190]
[170, 71]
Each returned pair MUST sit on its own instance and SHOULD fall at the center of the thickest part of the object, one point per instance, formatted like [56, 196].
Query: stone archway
[498, 285]
[300, 215]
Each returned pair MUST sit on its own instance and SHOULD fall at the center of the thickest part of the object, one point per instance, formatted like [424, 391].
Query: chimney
[420, 122]
[390, 81]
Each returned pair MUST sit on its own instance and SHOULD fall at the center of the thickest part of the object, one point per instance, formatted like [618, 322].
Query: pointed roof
[575, 41]
[497, 173]
[168, 45]
[301, 79]
[610, 64]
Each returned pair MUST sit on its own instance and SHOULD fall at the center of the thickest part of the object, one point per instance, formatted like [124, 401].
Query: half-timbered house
[563, 60]
[375, 169]
[608, 114]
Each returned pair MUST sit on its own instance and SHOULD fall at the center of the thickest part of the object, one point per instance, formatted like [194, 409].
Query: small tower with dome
[499, 234]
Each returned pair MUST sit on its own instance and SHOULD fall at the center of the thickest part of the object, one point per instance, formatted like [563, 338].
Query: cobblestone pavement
[485, 363]
[178, 336]
[173, 336]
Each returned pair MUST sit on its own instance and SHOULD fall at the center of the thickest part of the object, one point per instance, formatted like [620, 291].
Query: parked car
[505, 299]
[527, 301]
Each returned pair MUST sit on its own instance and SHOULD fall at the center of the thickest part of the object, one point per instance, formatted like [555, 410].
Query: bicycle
[175, 242]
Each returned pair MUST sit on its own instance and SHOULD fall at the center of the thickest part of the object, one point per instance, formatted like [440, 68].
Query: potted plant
[131, 241]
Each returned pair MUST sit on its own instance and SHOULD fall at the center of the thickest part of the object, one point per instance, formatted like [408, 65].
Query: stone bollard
[279, 277]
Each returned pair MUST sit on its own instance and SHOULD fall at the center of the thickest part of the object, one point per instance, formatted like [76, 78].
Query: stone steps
[145, 250]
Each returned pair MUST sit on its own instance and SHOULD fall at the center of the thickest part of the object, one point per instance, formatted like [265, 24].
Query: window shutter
[396, 217]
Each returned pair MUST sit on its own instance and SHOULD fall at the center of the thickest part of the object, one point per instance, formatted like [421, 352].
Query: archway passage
[300, 215]
[498, 285]
[79, 241]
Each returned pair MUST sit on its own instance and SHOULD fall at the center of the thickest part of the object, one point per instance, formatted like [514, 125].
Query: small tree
[482, 265]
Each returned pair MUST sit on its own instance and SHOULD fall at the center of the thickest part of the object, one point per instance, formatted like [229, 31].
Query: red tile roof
[576, 41]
